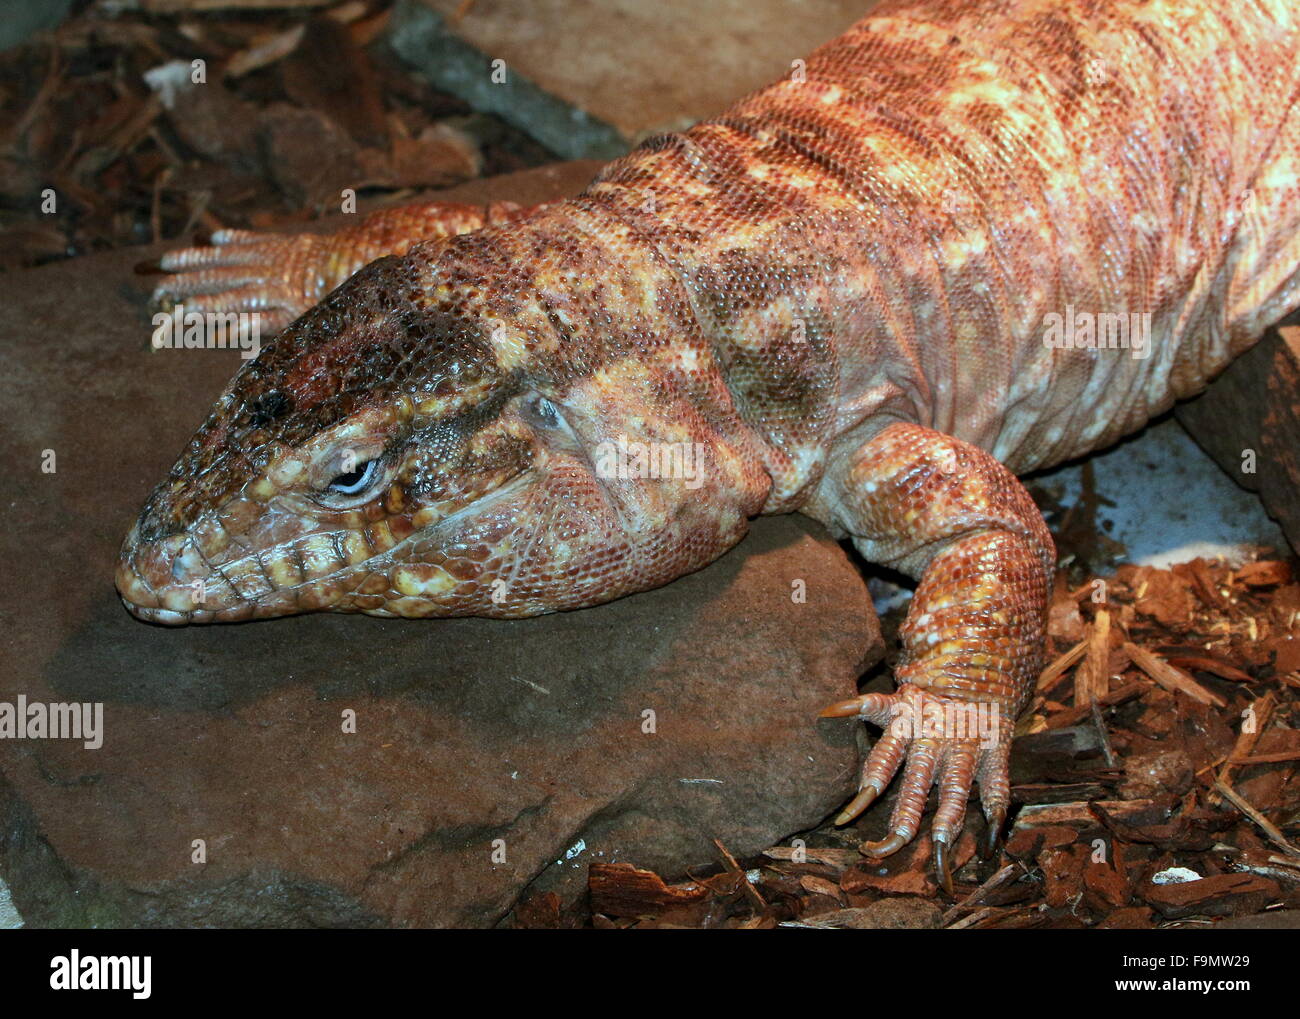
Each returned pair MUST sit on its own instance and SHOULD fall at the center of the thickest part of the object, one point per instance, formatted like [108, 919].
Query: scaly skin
[837, 292]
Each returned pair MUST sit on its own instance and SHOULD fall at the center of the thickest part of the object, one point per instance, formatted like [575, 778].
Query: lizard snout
[164, 581]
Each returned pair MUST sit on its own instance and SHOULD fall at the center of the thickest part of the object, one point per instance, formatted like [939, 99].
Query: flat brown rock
[588, 79]
[484, 752]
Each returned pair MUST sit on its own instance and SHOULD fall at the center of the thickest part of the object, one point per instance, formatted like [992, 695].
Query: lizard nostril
[188, 564]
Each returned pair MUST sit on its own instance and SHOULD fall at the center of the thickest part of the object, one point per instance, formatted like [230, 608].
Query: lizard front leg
[949, 514]
[280, 276]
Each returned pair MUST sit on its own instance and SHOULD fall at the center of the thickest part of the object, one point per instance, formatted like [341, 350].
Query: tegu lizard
[962, 241]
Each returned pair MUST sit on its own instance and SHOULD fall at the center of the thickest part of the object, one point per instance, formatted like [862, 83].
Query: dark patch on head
[365, 343]
[267, 408]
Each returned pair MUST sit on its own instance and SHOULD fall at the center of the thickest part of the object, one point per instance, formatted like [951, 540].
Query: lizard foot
[280, 276]
[275, 276]
[947, 742]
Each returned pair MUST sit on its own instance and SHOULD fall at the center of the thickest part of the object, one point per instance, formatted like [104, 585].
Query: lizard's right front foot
[946, 742]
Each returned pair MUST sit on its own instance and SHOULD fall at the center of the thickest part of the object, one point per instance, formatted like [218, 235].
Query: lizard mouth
[262, 584]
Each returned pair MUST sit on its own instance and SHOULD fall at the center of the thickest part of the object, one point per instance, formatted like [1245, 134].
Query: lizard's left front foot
[275, 276]
[279, 276]
[948, 742]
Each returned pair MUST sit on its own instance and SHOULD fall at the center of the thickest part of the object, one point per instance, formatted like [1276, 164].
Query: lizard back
[911, 225]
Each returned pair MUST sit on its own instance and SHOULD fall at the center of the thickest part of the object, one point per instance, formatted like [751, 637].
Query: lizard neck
[761, 292]
[604, 314]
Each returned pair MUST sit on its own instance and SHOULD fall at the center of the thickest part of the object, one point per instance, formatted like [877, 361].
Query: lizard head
[445, 435]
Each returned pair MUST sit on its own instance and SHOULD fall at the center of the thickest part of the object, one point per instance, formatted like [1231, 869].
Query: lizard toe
[956, 777]
[909, 808]
[210, 279]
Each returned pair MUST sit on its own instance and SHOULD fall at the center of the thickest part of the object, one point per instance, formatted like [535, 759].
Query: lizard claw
[945, 742]
[988, 845]
[885, 847]
[866, 796]
[943, 865]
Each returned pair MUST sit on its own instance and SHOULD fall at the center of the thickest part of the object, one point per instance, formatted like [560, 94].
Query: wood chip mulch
[106, 139]
[1154, 786]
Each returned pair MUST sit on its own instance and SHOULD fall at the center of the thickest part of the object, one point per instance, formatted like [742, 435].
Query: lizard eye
[544, 412]
[355, 481]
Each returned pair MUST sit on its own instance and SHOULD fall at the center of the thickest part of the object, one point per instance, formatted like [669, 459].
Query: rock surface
[589, 79]
[1253, 406]
[527, 737]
